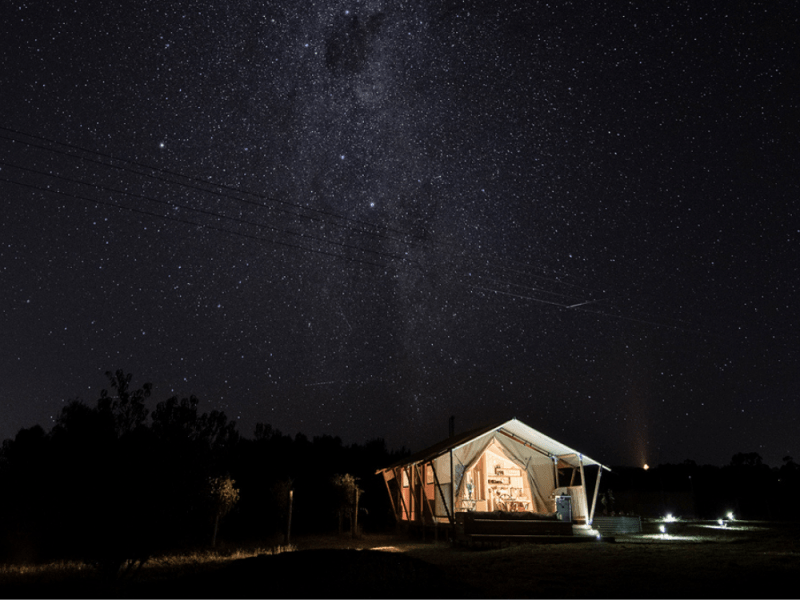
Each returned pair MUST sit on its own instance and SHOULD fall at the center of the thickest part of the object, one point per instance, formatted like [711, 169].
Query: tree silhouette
[344, 500]
[222, 497]
[746, 459]
[125, 408]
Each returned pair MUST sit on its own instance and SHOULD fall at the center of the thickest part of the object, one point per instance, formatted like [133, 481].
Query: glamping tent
[502, 468]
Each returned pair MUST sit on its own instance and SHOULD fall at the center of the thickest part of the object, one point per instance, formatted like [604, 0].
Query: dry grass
[163, 567]
[54, 571]
[201, 561]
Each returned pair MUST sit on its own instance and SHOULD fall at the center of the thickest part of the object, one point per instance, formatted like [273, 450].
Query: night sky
[358, 218]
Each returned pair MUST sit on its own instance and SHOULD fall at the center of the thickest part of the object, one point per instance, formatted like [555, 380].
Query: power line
[184, 221]
[200, 211]
[477, 261]
[338, 256]
[424, 242]
[195, 180]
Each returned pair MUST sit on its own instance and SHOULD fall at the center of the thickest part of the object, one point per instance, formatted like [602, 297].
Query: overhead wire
[478, 262]
[208, 184]
[423, 242]
[184, 221]
[221, 216]
[303, 248]
[200, 211]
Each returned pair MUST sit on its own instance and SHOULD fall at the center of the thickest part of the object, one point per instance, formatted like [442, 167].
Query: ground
[744, 559]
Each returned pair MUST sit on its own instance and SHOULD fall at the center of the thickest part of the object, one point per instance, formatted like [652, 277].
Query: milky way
[360, 218]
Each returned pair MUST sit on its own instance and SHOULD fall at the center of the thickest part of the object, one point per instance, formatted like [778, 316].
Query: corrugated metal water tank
[617, 525]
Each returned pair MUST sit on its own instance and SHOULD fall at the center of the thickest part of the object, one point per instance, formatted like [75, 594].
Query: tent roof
[514, 428]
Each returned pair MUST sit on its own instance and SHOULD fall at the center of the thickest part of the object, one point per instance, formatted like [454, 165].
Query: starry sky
[359, 217]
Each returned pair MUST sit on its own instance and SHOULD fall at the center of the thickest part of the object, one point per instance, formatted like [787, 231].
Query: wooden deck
[472, 527]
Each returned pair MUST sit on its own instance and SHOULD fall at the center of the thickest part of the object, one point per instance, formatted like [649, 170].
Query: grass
[162, 567]
[35, 573]
[691, 560]
[695, 560]
[201, 561]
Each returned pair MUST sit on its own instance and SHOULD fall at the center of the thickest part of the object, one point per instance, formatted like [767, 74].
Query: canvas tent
[506, 466]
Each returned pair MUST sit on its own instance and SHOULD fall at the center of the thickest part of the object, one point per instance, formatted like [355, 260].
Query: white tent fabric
[465, 456]
[518, 430]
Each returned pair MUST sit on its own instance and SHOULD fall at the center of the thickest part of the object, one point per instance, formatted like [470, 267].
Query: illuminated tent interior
[508, 467]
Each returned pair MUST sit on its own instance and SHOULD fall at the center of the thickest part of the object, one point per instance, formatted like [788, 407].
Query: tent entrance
[495, 481]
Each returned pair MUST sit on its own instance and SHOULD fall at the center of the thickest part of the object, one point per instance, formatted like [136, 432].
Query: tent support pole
[572, 479]
[441, 494]
[555, 470]
[402, 500]
[391, 498]
[583, 480]
[523, 442]
[419, 515]
[452, 486]
[594, 496]
[425, 501]
[412, 494]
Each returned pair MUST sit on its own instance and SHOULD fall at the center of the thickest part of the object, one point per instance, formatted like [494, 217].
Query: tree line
[115, 482]
[747, 487]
